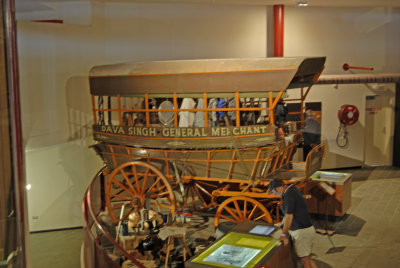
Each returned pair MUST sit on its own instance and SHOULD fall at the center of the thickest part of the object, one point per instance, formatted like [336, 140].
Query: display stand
[322, 191]
[335, 204]
[330, 196]
[248, 244]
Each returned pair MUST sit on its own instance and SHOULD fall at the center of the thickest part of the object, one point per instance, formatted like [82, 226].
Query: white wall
[379, 128]
[55, 60]
[332, 98]
[139, 31]
[56, 119]
[357, 36]
[59, 175]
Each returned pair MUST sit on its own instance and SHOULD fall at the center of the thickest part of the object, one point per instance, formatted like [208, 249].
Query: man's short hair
[275, 183]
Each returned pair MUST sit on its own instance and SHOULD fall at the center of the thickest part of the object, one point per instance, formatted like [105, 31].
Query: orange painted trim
[208, 164]
[237, 103]
[233, 161]
[302, 107]
[205, 109]
[277, 99]
[272, 120]
[119, 109]
[166, 158]
[218, 180]
[112, 153]
[184, 110]
[176, 110]
[307, 91]
[243, 182]
[112, 110]
[247, 194]
[253, 172]
[271, 110]
[94, 110]
[191, 151]
[203, 160]
[146, 100]
[226, 72]
[286, 100]
[188, 160]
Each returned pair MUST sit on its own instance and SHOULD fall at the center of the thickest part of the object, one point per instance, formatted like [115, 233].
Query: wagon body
[137, 111]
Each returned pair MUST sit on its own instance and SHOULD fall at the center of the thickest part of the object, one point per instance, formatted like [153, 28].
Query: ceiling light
[302, 3]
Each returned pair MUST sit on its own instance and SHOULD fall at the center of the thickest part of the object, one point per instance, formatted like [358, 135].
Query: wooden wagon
[198, 134]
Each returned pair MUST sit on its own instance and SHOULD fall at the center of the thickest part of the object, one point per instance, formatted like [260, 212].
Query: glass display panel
[232, 255]
[262, 230]
[237, 250]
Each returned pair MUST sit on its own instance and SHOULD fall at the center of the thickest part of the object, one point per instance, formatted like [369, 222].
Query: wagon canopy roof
[205, 75]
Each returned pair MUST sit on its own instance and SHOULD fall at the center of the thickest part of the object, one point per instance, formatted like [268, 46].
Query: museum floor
[368, 236]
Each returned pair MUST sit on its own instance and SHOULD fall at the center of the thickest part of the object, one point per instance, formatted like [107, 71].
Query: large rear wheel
[135, 185]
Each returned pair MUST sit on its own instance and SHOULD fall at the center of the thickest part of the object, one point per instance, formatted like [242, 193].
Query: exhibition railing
[99, 244]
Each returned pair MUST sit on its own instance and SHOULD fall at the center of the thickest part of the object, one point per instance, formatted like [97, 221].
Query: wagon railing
[116, 109]
[256, 162]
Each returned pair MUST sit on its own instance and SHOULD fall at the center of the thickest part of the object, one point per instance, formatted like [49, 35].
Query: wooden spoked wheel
[135, 185]
[198, 195]
[240, 208]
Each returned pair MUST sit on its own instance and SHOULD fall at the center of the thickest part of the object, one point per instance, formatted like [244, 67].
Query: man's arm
[287, 222]
[280, 224]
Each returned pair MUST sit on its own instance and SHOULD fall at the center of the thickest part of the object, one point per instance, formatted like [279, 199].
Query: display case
[330, 193]
[248, 244]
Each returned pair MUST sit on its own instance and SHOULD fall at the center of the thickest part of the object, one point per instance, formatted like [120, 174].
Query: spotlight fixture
[301, 3]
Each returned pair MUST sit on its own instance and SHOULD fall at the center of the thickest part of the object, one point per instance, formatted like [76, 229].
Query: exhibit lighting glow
[28, 186]
[301, 4]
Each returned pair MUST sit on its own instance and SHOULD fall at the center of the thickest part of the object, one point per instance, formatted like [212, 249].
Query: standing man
[296, 221]
[311, 133]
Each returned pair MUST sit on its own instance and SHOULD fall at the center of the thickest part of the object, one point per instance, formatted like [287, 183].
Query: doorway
[379, 113]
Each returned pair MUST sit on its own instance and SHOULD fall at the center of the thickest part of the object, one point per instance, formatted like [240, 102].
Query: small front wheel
[241, 208]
